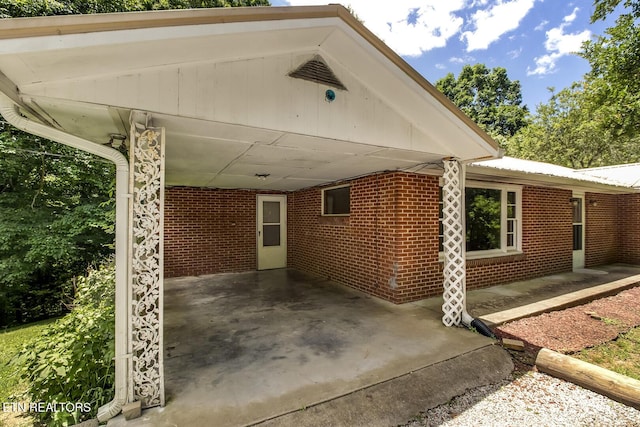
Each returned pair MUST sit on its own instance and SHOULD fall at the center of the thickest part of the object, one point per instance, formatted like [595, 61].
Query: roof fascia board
[423, 83]
[404, 72]
[124, 36]
[13, 28]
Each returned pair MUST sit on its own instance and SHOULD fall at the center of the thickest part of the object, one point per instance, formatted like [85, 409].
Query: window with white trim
[336, 201]
[492, 219]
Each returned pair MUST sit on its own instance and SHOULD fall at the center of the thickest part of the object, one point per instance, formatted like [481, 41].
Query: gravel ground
[533, 399]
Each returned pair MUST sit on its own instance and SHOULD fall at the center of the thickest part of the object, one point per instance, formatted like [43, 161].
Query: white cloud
[490, 24]
[467, 59]
[412, 27]
[559, 44]
[541, 25]
[409, 27]
[513, 54]
[571, 17]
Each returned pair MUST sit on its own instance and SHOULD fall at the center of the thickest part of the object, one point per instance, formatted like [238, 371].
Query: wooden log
[603, 381]
[513, 344]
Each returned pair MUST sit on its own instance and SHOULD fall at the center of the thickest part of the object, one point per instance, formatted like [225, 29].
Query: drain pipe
[467, 320]
[476, 324]
[10, 112]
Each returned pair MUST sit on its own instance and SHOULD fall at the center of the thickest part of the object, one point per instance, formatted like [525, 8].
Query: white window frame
[334, 188]
[503, 250]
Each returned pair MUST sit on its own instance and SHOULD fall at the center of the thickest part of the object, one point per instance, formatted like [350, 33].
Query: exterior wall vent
[316, 70]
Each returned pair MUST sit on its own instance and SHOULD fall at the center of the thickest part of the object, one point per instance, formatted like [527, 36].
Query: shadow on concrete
[245, 348]
[281, 348]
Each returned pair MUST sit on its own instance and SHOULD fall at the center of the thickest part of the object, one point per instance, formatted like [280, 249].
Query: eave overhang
[85, 74]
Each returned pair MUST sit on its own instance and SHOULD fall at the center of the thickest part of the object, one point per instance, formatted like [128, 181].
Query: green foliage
[483, 210]
[613, 84]
[488, 97]
[72, 360]
[56, 218]
[16, 8]
[606, 7]
[570, 130]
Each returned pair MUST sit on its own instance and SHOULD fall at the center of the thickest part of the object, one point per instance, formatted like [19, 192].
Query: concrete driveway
[248, 347]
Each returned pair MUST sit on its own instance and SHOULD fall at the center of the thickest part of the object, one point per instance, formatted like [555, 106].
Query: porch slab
[505, 303]
[244, 348]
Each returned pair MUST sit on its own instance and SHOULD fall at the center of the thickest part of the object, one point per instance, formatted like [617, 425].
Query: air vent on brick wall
[316, 70]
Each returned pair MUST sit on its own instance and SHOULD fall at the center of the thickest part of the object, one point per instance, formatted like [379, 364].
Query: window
[336, 201]
[576, 202]
[491, 220]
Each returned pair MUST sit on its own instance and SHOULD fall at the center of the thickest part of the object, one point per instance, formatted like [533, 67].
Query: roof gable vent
[316, 70]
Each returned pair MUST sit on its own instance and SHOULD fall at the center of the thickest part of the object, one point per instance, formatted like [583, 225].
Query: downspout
[9, 111]
[467, 319]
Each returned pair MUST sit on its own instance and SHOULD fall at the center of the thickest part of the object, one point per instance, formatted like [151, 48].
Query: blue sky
[533, 39]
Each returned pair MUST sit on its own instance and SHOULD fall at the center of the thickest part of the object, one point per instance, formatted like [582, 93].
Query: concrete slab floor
[242, 348]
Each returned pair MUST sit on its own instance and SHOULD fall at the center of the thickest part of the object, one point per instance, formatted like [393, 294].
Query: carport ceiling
[218, 82]
[290, 161]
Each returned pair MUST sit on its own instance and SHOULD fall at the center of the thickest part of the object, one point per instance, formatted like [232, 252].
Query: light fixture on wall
[593, 203]
[262, 176]
[574, 201]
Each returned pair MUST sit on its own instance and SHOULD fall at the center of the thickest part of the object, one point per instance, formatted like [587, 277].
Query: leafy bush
[72, 361]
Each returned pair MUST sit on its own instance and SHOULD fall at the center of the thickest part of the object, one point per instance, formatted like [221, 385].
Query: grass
[621, 355]
[11, 342]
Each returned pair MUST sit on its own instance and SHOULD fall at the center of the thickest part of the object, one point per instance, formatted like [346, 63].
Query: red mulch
[580, 327]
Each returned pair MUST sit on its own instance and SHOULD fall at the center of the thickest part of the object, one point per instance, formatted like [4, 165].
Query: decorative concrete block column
[454, 268]
[147, 190]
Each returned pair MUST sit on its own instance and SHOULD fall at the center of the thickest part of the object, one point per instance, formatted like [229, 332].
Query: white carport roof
[218, 81]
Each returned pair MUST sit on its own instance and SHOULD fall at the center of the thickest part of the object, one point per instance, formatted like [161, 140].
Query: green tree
[613, 84]
[56, 218]
[488, 97]
[569, 131]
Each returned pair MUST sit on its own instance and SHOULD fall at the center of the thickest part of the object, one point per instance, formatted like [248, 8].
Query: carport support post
[454, 269]
[147, 189]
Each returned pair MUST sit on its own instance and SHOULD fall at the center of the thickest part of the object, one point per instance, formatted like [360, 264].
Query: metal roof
[620, 176]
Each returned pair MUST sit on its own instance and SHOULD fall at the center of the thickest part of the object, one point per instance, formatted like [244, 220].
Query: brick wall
[419, 272]
[209, 231]
[602, 245]
[358, 250]
[629, 228]
[388, 246]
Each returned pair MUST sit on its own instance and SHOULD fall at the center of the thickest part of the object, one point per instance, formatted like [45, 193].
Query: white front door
[577, 202]
[272, 231]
